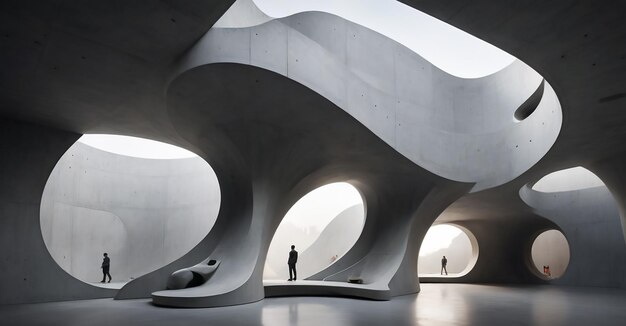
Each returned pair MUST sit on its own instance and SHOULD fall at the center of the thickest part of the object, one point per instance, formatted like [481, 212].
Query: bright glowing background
[317, 208]
[567, 180]
[445, 46]
[135, 147]
[438, 237]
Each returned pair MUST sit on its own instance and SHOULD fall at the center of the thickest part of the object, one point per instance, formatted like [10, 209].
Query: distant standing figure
[444, 263]
[293, 259]
[106, 264]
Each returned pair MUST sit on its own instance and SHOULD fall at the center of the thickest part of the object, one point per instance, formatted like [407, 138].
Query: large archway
[142, 202]
[456, 243]
[323, 225]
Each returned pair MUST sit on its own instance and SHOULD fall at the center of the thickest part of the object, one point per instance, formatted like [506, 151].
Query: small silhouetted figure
[546, 270]
[444, 263]
[293, 259]
[106, 264]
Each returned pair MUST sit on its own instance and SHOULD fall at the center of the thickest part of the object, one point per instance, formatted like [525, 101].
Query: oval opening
[134, 209]
[530, 105]
[550, 254]
[457, 244]
[323, 225]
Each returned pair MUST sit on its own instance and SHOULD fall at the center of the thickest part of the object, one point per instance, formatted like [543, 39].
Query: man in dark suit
[293, 259]
[106, 264]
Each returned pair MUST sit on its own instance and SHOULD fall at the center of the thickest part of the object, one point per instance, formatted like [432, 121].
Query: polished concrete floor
[437, 304]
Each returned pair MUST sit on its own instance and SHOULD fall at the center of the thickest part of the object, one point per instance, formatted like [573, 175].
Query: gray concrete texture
[445, 124]
[296, 121]
[145, 213]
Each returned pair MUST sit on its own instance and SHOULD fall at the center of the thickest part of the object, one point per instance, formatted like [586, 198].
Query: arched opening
[457, 244]
[142, 202]
[550, 254]
[323, 225]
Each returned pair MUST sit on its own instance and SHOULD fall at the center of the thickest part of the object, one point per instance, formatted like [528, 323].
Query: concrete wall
[29, 274]
[144, 213]
[334, 242]
[590, 220]
[445, 124]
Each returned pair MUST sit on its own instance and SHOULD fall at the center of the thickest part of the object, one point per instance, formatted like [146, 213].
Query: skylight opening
[135, 147]
[449, 48]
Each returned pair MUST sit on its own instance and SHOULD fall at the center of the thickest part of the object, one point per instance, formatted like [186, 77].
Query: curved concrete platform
[326, 288]
[78, 67]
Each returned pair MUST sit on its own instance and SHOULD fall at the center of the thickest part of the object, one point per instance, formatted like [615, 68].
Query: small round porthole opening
[550, 254]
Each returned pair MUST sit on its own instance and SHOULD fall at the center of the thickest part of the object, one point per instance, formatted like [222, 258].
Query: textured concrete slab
[441, 304]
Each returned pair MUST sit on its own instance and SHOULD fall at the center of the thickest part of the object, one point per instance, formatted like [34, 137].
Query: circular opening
[550, 254]
[144, 213]
[323, 225]
[457, 244]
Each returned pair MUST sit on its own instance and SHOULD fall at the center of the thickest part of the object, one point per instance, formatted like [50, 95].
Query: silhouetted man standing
[106, 264]
[293, 259]
[444, 263]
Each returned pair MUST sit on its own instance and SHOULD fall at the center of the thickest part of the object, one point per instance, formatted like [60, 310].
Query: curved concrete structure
[406, 101]
[590, 220]
[462, 254]
[192, 276]
[286, 106]
[134, 209]
[335, 241]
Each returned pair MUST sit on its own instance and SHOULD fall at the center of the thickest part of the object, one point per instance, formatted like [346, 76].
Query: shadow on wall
[145, 213]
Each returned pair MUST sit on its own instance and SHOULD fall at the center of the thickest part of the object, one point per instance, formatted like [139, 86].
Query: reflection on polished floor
[437, 304]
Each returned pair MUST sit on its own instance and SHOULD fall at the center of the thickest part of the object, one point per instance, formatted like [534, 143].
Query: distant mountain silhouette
[458, 253]
[336, 239]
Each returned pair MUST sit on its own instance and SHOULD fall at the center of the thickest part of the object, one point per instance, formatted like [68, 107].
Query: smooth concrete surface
[396, 191]
[445, 124]
[325, 288]
[590, 220]
[437, 304]
[335, 241]
[145, 213]
[320, 115]
[112, 285]
[29, 273]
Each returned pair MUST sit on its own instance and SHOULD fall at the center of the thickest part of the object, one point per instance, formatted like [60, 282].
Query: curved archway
[454, 242]
[550, 254]
[143, 212]
[323, 225]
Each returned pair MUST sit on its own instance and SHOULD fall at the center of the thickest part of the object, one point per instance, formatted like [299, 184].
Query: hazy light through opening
[447, 47]
[438, 237]
[135, 147]
[306, 223]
